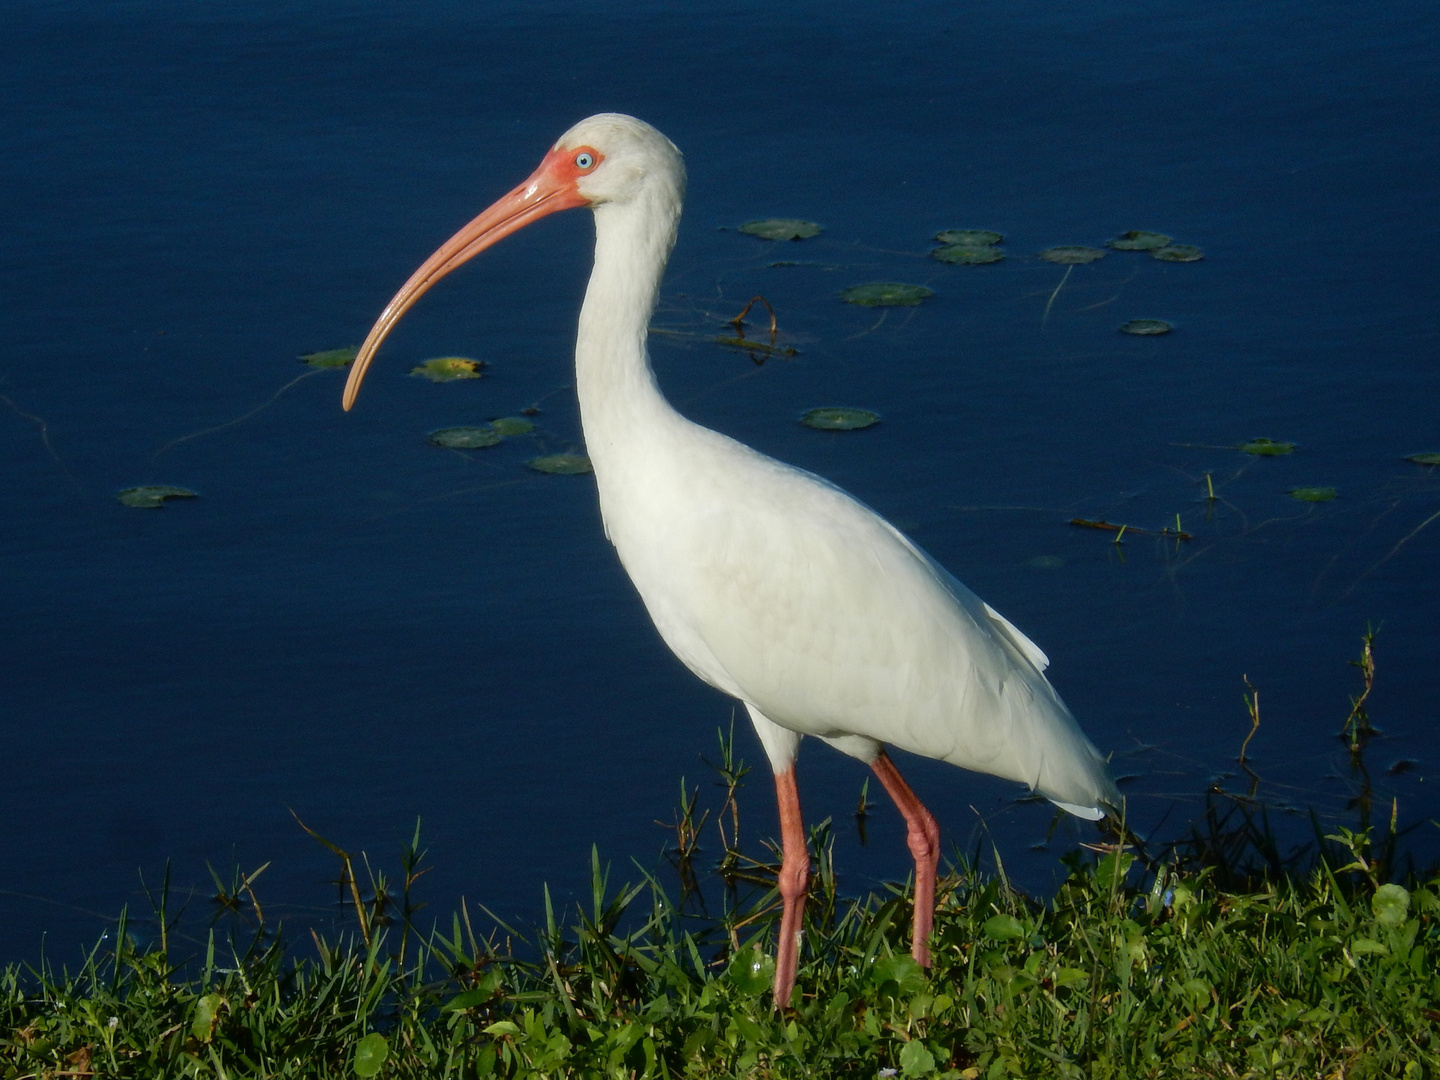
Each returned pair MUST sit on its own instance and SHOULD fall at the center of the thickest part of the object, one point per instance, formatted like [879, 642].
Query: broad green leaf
[332, 358]
[1138, 240]
[370, 1054]
[449, 369]
[751, 970]
[781, 229]
[902, 970]
[967, 254]
[1146, 327]
[839, 418]
[969, 237]
[1364, 946]
[153, 496]
[1072, 254]
[207, 1010]
[886, 294]
[466, 438]
[1178, 253]
[915, 1059]
[561, 464]
[1312, 494]
[1391, 904]
[1003, 928]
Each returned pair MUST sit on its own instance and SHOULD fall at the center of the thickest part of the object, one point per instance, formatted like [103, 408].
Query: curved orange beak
[551, 187]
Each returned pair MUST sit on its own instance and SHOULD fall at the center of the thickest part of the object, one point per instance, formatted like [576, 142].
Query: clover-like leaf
[916, 1059]
[1391, 904]
[886, 294]
[370, 1054]
[449, 369]
[1004, 928]
[751, 970]
[561, 464]
[153, 496]
[781, 229]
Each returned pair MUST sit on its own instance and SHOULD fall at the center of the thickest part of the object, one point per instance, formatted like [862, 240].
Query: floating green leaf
[967, 254]
[512, 425]
[561, 464]
[1424, 459]
[1178, 253]
[1391, 904]
[1312, 494]
[969, 237]
[332, 358]
[1146, 327]
[152, 496]
[370, 1054]
[781, 229]
[885, 294]
[1138, 240]
[466, 438]
[1072, 254]
[1267, 447]
[838, 418]
[449, 369]
[751, 971]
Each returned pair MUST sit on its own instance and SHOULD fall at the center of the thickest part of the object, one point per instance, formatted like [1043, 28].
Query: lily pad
[561, 464]
[1267, 447]
[332, 358]
[781, 229]
[885, 294]
[1146, 327]
[967, 254]
[1424, 459]
[1138, 240]
[1072, 254]
[449, 369]
[1312, 494]
[839, 418]
[466, 438]
[153, 496]
[969, 237]
[370, 1054]
[512, 425]
[1178, 253]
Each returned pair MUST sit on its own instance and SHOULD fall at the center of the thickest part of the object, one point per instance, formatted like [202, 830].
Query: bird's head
[605, 159]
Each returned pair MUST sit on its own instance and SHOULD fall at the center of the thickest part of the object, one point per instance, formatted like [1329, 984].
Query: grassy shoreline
[1127, 972]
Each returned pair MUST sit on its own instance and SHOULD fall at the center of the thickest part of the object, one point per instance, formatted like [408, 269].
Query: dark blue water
[365, 629]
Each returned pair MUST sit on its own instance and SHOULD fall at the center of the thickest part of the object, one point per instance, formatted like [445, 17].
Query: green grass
[1216, 957]
[1121, 974]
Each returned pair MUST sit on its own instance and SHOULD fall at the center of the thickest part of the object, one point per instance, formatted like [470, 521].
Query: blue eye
[584, 160]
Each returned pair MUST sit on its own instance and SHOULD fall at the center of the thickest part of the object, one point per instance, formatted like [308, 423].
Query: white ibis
[768, 582]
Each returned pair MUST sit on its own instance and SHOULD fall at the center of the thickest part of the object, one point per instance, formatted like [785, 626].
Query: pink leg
[793, 880]
[923, 836]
